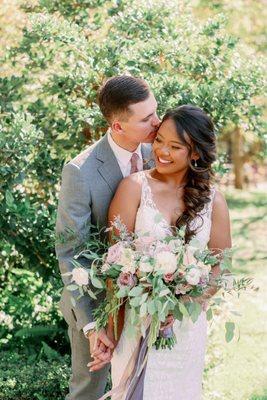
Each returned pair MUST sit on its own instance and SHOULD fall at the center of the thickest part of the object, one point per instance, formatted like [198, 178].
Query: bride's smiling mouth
[163, 161]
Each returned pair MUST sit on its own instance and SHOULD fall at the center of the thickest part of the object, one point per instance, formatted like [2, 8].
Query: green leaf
[136, 291]
[196, 310]
[230, 330]
[164, 292]
[135, 301]
[122, 292]
[151, 307]
[183, 309]
[97, 283]
[209, 314]
[177, 313]
[91, 294]
[72, 287]
[143, 310]
[144, 297]
[9, 199]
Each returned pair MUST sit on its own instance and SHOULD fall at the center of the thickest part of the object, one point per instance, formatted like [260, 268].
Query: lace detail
[146, 195]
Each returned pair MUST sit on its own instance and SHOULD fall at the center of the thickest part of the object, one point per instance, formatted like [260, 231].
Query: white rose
[127, 261]
[193, 276]
[228, 281]
[80, 276]
[145, 265]
[166, 262]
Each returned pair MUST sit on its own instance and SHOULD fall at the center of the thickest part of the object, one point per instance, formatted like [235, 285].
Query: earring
[194, 163]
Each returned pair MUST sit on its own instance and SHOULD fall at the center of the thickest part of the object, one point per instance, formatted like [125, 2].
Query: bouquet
[150, 277]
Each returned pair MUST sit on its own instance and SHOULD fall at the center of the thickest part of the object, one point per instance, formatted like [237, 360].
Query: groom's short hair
[119, 92]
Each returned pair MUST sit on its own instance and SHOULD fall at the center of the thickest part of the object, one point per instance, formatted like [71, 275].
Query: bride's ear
[195, 156]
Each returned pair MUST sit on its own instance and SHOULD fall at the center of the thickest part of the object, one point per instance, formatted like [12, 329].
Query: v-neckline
[154, 203]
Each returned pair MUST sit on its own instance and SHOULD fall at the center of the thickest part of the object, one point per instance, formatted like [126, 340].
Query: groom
[89, 182]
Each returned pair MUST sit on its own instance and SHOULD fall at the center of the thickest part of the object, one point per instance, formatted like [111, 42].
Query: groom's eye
[157, 139]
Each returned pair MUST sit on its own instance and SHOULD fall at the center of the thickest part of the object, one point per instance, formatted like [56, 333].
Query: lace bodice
[150, 220]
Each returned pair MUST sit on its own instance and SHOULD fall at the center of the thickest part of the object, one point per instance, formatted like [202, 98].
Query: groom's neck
[124, 142]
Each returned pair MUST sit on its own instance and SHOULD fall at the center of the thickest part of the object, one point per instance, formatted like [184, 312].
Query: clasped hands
[101, 349]
[102, 346]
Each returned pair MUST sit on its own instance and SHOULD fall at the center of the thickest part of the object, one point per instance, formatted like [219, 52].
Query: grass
[238, 370]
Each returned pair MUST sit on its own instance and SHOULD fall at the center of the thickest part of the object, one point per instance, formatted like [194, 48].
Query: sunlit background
[54, 55]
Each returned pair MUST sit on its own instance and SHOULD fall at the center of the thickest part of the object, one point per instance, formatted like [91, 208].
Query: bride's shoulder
[131, 185]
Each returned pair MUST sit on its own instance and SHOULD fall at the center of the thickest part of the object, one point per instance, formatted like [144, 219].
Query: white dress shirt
[124, 160]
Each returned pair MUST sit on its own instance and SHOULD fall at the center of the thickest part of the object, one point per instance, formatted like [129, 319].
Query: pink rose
[126, 279]
[114, 253]
[168, 277]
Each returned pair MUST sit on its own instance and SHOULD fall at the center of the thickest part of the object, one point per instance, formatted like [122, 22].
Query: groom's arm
[72, 229]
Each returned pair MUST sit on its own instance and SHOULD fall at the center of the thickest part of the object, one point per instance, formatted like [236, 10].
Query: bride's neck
[177, 179]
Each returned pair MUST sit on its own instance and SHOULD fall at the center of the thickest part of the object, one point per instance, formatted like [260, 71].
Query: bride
[180, 188]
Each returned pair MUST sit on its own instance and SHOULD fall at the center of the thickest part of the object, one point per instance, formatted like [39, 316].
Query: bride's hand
[168, 322]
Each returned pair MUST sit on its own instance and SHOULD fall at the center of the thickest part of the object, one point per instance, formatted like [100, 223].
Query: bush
[23, 378]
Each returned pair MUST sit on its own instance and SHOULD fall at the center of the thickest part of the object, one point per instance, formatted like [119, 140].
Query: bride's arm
[220, 237]
[126, 201]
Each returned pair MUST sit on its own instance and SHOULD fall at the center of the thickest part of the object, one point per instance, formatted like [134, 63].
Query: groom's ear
[116, 127]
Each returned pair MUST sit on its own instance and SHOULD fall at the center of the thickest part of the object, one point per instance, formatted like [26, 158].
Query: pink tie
[134, 163]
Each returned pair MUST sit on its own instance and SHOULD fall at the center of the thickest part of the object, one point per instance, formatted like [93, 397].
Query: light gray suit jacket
[89, 182]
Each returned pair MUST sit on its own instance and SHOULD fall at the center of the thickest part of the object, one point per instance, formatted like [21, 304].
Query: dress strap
[146, 196]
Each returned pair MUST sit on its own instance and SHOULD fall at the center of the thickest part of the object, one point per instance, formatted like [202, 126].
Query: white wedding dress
[170, 374]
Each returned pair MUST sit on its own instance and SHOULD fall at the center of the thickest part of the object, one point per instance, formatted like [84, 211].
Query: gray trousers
[84, 385]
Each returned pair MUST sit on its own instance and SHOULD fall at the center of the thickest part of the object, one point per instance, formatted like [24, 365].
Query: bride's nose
[165, 150]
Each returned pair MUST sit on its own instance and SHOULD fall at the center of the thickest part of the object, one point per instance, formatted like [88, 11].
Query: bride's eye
[157, 139]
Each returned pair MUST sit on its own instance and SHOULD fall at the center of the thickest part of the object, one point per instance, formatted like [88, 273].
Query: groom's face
[141, 123]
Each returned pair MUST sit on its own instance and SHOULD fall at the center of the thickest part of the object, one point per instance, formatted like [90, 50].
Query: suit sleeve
[72, 229]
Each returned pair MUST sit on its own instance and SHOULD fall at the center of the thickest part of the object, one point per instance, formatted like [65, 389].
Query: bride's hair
[196, 130]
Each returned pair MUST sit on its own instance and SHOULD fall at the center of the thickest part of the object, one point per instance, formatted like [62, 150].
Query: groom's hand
[101, 348]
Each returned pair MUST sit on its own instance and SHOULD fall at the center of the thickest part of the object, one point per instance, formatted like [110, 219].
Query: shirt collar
[124, 156]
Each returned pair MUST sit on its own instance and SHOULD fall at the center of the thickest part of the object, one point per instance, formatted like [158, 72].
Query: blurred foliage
[49, 113]
[246, 19]
[27, 378]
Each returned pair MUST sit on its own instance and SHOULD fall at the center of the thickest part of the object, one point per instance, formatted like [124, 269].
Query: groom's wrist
[89, 328]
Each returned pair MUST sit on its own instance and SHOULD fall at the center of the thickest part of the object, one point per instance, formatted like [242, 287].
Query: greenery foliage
[24, 378]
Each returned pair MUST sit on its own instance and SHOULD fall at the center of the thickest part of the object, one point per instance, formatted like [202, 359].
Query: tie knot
[134, 163]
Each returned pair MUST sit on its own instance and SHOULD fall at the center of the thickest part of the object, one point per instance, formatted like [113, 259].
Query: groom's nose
[155, 121]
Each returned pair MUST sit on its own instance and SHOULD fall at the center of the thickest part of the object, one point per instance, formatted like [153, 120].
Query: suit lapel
[109, 169]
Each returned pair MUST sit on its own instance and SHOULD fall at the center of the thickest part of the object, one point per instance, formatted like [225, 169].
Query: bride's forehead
[169, 131]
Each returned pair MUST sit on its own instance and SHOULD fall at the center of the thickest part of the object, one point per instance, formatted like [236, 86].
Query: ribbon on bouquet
[131, 384]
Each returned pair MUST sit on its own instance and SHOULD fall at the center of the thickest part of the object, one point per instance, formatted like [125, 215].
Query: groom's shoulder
[87, 157]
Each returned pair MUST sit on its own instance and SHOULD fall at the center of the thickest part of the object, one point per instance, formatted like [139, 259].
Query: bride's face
[171, 155]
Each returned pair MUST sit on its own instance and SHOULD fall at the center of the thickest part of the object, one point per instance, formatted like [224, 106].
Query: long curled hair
[195, 129]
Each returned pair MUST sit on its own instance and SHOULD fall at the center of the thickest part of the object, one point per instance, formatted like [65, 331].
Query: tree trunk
[237, 157]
